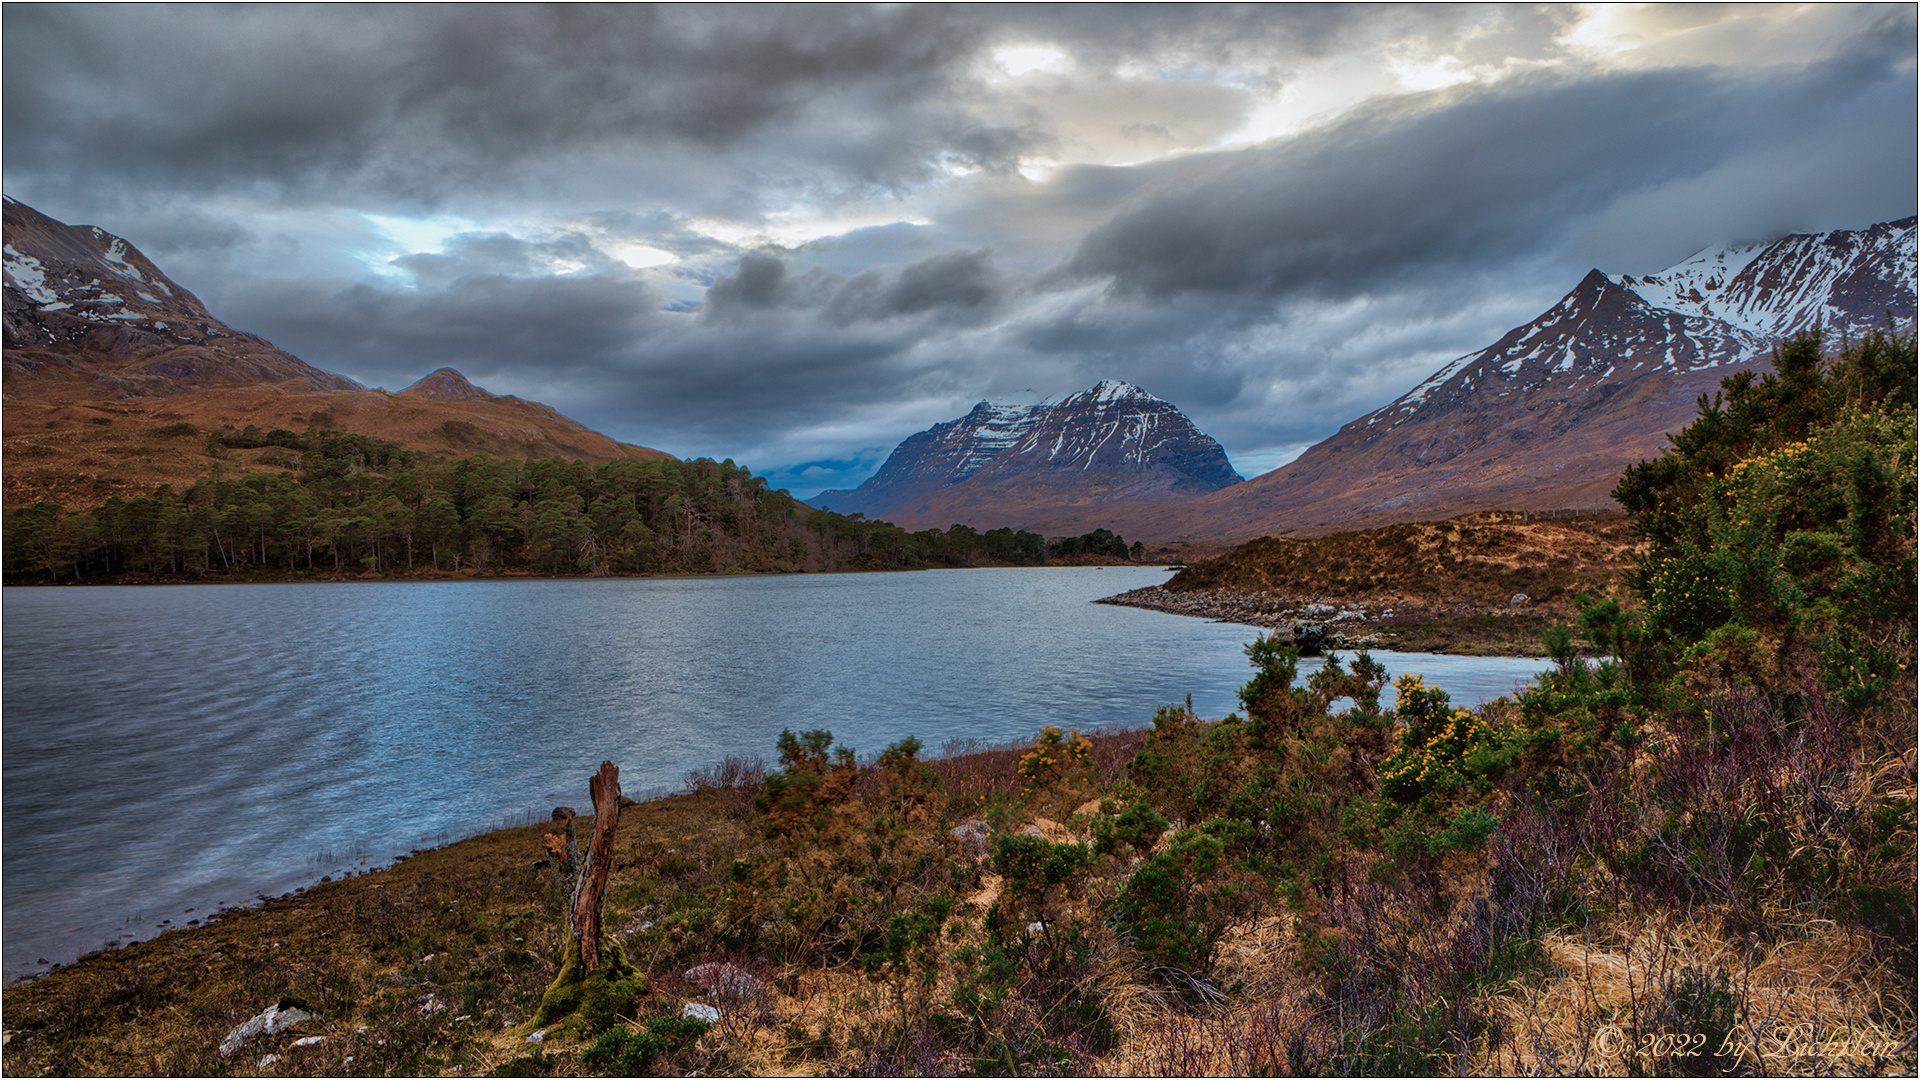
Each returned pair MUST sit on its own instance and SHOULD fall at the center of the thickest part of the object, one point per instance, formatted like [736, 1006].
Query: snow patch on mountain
[25, 273]
[1719, 307]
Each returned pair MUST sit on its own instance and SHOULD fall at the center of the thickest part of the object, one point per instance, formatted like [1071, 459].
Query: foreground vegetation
[346, 504]
[1694, 855]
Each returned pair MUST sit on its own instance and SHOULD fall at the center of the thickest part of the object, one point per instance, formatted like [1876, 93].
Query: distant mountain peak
[447, 384]
[1004, 464]
[1110, 390]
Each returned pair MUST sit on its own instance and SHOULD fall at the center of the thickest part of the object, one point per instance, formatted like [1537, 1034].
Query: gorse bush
[1781, 531]
[1053, 756]
[1176, 907]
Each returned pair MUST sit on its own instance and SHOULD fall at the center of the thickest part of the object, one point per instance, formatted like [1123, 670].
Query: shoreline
[1389, 623]
[374, 578]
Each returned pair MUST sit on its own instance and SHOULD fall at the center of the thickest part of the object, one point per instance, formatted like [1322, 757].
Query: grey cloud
[489, 327]
[1468, 182]
[425, 106]
[756, 284]
[961, 279]
[420, 102]
[953, 285]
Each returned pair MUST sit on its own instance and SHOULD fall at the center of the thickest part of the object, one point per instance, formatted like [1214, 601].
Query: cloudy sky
[794, 236]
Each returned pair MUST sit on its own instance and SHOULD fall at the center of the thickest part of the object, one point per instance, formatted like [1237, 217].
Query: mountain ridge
[105, 353]
[1052, 463]
[1548, 415]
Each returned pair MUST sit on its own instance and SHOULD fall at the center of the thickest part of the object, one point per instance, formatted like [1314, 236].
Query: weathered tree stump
[592, 963]
[605, 788]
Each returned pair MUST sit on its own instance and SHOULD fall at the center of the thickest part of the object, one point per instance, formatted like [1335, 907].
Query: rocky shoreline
[1311, 625]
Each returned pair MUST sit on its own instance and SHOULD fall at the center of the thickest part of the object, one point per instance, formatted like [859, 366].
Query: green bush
[626, 1052]
[1785, 509]
[1176, 908]
[1137, 827]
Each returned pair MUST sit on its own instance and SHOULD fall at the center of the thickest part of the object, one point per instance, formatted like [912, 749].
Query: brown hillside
[115, 377]
[77, 453]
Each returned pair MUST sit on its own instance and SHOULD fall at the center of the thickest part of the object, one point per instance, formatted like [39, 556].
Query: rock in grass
[1311, 638]
[724, 981]
[972, 834]
[271, 1021]
[693, 1010]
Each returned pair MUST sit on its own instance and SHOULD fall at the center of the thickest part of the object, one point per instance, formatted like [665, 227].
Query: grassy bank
[1093, 930]
[1486, 584]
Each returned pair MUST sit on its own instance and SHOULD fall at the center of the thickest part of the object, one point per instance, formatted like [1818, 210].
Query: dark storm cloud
[874, 222]
[955, 285]
[1466, 182]
[415, 103]
[488, 327]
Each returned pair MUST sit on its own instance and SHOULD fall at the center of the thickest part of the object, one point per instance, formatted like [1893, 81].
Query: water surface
[171, 750]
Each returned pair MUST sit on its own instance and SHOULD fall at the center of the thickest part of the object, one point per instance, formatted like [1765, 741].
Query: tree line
[347, 503]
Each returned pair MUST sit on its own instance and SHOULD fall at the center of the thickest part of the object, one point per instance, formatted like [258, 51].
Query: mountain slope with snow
[1042, 466]
[1549, 415]
[86, 312]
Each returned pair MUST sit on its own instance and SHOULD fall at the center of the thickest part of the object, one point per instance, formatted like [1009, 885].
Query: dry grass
[1440, 586]
[1809, 1004]
[1469, 961]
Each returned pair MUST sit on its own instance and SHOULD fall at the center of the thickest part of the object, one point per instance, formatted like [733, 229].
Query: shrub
[1176, 908]
[1052, 757]
[1137, 827]
[628, 1052]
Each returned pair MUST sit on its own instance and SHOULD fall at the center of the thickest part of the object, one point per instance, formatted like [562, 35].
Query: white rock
[538, 1036]
[311, 1040]
[271, 1021]
[693, 1010]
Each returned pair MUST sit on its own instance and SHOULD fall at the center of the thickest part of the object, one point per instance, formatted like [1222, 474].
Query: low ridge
[447, 384]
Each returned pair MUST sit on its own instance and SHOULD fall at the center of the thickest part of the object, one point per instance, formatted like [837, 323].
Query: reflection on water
[168, 751]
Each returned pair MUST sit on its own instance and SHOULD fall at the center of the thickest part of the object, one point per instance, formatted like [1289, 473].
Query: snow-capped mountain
[1549, 415]
[103, 351]
[1722, 306]
[1844, 281]
[86, 311]
[1025, 465]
